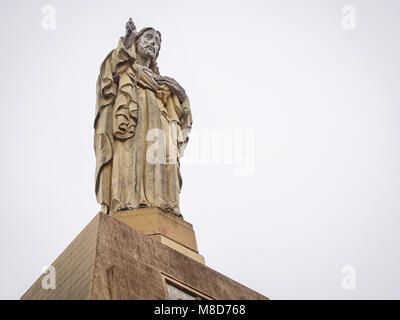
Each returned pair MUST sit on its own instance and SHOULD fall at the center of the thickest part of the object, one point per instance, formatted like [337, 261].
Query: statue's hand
[130, 33]
[174, 86]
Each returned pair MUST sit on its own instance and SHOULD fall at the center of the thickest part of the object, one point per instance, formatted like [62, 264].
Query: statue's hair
[153, 64]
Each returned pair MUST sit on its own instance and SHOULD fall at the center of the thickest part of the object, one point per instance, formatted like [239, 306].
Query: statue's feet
[172, 211]
[124, 209]
[104, 209]
[166, 210]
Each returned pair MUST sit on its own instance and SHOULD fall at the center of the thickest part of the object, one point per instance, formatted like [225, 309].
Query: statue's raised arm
[130, 34]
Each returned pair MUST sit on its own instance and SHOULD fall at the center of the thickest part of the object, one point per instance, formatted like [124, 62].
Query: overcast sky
[315, 92]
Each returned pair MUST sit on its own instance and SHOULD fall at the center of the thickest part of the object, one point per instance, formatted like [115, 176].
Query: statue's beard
[147, 53]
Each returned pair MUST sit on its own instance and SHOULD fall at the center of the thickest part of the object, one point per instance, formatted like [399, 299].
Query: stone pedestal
[111, 260]
[164, 227]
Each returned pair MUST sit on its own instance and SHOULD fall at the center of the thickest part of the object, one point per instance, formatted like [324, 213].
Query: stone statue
[142, 124]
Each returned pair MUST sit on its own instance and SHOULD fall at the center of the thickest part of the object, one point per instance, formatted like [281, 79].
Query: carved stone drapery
[133, 100]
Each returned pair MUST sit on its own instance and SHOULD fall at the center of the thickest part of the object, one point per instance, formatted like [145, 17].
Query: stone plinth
[110, 260]
[164, 227]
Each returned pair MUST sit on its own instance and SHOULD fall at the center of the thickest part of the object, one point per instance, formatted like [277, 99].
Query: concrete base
[110, 260]
[164, 227]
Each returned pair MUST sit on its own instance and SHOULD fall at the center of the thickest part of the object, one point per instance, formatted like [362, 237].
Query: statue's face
[148, 44]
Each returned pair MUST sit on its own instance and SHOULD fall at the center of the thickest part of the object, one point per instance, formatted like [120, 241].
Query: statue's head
[148, 43]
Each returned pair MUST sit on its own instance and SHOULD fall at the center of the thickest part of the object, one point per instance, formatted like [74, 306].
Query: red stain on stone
[164, 230]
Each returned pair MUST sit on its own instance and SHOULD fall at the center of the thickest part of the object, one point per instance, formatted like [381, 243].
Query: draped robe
[134, 115]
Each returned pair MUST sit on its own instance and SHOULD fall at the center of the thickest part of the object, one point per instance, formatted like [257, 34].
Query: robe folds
[141, 129]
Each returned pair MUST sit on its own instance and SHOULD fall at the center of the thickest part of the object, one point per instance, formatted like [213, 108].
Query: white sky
[323, 103]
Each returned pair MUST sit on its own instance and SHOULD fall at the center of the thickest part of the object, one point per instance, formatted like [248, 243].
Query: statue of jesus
[142, 122]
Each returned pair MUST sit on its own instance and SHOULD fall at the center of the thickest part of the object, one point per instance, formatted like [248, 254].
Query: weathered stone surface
[142, 124]
[164, 227]
[74, 268]
[110, 260]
